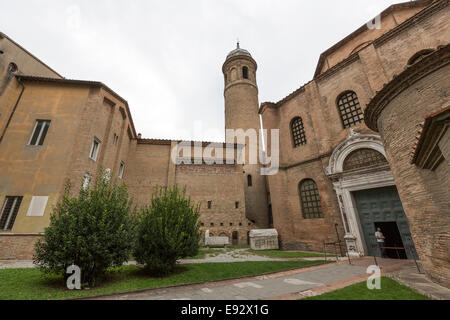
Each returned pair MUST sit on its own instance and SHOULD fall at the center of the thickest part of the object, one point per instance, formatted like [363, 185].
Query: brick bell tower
[241, 112]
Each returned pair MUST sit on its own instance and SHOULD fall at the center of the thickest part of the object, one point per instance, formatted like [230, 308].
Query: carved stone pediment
[353, 142]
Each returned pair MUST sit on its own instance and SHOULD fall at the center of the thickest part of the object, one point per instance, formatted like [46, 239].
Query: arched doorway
[367, 196]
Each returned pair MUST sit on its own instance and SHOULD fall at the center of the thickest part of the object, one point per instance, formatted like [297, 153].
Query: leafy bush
[93, 231]
[167, 231]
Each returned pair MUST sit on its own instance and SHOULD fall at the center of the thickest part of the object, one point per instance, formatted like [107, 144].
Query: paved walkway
[238, 255]
[15, 264]
[294, 284]
[252, 288]
[419, 282]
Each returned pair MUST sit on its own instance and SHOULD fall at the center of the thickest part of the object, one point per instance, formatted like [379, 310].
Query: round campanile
[241, 90]
[241, 112]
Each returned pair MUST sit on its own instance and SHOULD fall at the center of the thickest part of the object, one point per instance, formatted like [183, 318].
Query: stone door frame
[346, 183]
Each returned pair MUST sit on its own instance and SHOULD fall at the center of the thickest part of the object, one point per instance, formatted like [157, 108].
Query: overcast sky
[165, 57]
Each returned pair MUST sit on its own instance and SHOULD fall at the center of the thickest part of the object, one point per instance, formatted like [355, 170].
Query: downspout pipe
[14, 109]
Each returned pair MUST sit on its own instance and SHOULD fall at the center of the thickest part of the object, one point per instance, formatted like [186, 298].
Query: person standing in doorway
[380, 241]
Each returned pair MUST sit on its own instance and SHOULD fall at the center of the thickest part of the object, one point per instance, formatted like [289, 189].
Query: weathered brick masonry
[397, 112]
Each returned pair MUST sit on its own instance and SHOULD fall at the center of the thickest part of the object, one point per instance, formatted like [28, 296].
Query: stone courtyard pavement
[278, 285]
[294, 284]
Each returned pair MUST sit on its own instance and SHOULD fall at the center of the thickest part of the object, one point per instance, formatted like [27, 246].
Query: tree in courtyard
[94, 231]
[168, 230]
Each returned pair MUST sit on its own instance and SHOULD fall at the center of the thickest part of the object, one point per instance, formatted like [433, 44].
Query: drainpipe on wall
[14, 109]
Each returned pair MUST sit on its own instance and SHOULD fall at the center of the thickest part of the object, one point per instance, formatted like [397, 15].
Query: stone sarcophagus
[215, 241]
[264, 239]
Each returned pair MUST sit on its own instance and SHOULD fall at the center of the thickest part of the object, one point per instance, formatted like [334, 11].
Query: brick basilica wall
[365, 71]
[424, 193]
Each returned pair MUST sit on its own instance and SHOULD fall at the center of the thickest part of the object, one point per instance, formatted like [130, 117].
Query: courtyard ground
[203, 278]
[303, 283]
[31, 283]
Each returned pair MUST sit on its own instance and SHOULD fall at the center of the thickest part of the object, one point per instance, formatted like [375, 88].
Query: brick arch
[419, 55]
[224, 234]
[359, 47]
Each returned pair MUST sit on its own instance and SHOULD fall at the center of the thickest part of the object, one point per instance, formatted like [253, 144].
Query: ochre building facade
[363, 145]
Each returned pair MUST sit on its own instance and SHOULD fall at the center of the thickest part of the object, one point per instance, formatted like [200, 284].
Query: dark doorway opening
[270, 216]
[235, 238]
[393, 239]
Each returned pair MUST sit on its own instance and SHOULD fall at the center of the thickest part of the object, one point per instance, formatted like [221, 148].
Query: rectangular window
[236, 204]
[9, 212]
[121, 169]
[39, 133]
[37, 206]
[209, 204]
[94, 149]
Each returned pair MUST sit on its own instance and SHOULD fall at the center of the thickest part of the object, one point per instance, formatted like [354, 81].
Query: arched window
[249, 180]
[233, 74]
[419, 56]
[298, 132]
[12, 67]
[349, 109]
[363, 158]
[245, 72]
[310, 199]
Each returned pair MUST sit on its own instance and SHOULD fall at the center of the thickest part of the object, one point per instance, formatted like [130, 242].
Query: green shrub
[93, 231]
[167, 231]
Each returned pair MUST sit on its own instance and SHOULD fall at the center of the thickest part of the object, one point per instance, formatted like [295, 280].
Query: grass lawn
[390, 290]
[32, 284]
[286, 254]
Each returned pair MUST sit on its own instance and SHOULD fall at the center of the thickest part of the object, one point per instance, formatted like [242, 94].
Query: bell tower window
[245, 72]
